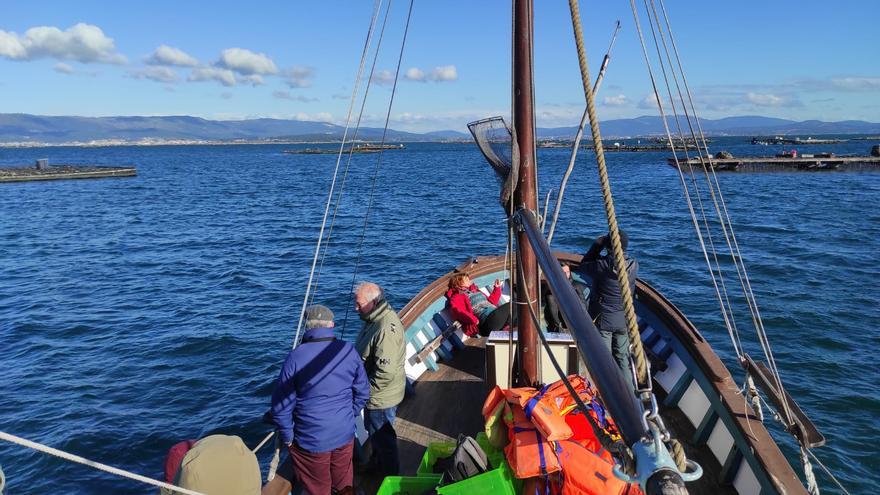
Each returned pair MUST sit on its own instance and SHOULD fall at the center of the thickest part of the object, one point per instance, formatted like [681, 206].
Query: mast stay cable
[577, 139]
[723, 216]
[375, 178]
[351, 151]
[302, 312]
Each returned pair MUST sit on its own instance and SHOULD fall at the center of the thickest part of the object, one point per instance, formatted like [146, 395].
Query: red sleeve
[460, 307]
[495, 296]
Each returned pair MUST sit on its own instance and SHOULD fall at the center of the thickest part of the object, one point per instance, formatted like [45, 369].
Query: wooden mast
[525, 194]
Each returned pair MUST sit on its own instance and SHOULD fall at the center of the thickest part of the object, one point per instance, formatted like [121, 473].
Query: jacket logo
[384, 361]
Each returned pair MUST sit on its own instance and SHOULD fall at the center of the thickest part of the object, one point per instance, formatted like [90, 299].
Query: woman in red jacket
[476, 313]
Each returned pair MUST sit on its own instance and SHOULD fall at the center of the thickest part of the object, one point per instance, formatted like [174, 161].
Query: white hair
[369, 290]
[310, 324]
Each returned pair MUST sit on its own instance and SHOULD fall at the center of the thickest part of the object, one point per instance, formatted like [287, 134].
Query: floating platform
[358, 148]
[776, 164]
[59, 172]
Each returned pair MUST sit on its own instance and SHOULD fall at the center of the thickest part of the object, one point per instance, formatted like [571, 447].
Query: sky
[790, 59]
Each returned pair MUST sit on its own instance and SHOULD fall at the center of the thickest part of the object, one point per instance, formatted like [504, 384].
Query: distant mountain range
[50, 129]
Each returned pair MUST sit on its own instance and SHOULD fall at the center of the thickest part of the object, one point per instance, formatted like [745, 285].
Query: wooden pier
[59, 172]
[777, 164]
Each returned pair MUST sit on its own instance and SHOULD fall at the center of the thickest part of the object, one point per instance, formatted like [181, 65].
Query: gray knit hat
[316, 312]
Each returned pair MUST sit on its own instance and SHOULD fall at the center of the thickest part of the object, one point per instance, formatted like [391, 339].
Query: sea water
[138, 312]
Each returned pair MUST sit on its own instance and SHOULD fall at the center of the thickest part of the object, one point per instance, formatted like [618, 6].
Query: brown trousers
[319, 472]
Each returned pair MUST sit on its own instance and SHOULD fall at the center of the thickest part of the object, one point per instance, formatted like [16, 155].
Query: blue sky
[227, 60]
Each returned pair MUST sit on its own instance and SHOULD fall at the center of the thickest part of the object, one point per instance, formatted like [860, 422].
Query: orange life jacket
[542, 410]
[529, 452]
[588, 473]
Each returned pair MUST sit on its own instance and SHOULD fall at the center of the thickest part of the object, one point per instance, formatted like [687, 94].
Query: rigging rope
[685, 188]
[723, 219]
[351, 149]
[375, 179]
[97, 465]
[302, 312]
[577, 140]
[641, 364]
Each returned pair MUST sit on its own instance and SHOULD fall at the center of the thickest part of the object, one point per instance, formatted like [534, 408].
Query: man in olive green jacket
[382, 345]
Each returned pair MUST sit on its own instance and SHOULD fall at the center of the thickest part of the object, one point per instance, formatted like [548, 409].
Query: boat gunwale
[764, 448]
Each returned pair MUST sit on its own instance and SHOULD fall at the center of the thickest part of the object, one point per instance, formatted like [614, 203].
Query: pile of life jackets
[549, 442]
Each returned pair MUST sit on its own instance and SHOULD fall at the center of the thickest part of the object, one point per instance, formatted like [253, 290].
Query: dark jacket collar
[317, 333]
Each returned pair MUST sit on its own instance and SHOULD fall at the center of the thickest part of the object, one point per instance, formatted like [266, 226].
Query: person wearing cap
[382, 346]
[322, 387]
[606, 300]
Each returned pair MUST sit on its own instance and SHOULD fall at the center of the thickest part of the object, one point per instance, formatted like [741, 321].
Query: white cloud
[383, 78]
[63, 68]
[315, 117]
[223, 76]
[299, 77]
[615, 101]
[158, 74]
[246, 62]
[168, 55]
[253, 80]
[856, 83]
[415, 74]
[649, 102]
[443, 73]
[285, 95]
[765, 99]
[84, 43]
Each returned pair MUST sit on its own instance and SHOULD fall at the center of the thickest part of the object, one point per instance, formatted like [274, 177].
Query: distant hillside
[729, 126]
[44, 129]
[24, 127]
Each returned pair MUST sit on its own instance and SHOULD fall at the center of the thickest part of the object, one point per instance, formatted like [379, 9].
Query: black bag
[467, 460]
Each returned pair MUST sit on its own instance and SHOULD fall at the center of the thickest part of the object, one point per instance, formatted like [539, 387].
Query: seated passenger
[476, 313]
[552, 313]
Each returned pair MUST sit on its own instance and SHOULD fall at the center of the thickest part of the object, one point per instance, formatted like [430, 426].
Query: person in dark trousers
[321, 389]
[477, 313]
[552, 314]
[382, 346]
[606, 300]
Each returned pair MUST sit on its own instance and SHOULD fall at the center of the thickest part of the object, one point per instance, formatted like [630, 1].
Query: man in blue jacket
[321, 389]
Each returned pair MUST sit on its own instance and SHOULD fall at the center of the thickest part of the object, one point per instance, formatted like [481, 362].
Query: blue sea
[138, 312]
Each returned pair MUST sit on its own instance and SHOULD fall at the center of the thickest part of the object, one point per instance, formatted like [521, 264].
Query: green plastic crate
[403, 485]
[434, 451]
[497, 481]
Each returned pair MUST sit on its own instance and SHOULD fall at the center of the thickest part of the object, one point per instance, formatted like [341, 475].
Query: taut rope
[354, 92]
[641, 362]
[97, 465]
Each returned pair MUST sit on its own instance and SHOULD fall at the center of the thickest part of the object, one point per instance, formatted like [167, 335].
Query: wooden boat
[697, 401]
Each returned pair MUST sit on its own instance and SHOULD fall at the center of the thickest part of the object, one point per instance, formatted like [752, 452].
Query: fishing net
[496, 141]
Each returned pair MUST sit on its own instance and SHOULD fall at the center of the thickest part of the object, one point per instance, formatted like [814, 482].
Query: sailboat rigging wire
[736, 255]
[642, 375]
[302, 312]
[351, 150]
[577, 140]
[375, 179]
[693, 175]
[684, 185]
[90, 463]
